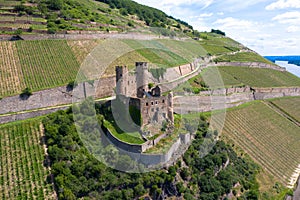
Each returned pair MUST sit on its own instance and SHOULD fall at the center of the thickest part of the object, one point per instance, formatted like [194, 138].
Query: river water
[294, 69]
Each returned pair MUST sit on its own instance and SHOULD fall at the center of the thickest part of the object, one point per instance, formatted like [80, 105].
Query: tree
[55, 4]
[18, 31]
[218, 32]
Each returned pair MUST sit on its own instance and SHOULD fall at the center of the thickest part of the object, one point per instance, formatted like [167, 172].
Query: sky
[269, 27]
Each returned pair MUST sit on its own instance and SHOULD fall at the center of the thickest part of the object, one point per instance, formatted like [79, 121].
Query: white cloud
[235, 23]
[220, 13]
[206, 15]
[288, 18]
[283, 4]
[293, 29]
[169, 5]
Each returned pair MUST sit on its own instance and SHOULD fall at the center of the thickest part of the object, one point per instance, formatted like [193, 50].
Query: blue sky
[270, 27]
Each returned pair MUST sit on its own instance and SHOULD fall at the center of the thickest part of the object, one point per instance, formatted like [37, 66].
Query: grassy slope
[89, 15]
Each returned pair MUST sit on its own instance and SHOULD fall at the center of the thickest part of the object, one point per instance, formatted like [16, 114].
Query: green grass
[215, 49]
[131, 138]
[269, 138]
[47, 63]
[243, 57]
[22, 155]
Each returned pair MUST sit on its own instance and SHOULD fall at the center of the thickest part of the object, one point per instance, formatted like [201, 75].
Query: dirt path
[297, 191]
[282, 112]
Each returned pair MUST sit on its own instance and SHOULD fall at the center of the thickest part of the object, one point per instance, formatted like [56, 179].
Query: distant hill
[291, 59]
[57, 16]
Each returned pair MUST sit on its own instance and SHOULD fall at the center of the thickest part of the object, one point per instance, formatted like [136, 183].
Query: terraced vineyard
[255, 77]
[81, 48]
[46, 63]
[268, 137]
[243, 57]
[187, 49]
[11, 75]
[168, 53]
[22, 173]
[217, 45]
[290, 105]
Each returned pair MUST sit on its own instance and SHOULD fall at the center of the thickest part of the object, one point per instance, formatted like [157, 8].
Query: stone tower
[121, 80]
[142, 78]
[170, 107]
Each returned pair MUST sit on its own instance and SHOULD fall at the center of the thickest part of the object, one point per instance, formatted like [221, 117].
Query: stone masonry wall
[267, 93]
[250, 65]
[227, 98]
[10, 118]
[105, 86]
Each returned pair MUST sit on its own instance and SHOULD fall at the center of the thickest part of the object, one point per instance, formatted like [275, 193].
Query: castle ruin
[154, 107]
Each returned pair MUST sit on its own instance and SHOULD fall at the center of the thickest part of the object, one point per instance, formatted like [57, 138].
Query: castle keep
[155, 108]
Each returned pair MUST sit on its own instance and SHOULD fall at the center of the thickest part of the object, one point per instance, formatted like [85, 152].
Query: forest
[78, 174]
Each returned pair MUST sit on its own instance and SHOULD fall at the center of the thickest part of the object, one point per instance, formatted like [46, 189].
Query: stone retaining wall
[227, 98]
[22, 116]
[268, 93]
[135, 150]
[187, 104]
[250, 65]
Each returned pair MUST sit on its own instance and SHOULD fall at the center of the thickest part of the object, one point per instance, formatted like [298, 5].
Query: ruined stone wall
[154, 109]
[268, 93]
[227, 98]
[176, 72]
[44, 98]
[135, 148]
[250, 65]
[156, 140]
[154, 159]
[205, 103]
[135, 151]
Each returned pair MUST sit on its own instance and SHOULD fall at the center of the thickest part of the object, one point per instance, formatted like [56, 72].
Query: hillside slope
[57, 16]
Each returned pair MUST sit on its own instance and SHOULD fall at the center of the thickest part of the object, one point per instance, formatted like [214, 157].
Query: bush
[71, 85]
[18, 31]
[26, 93]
